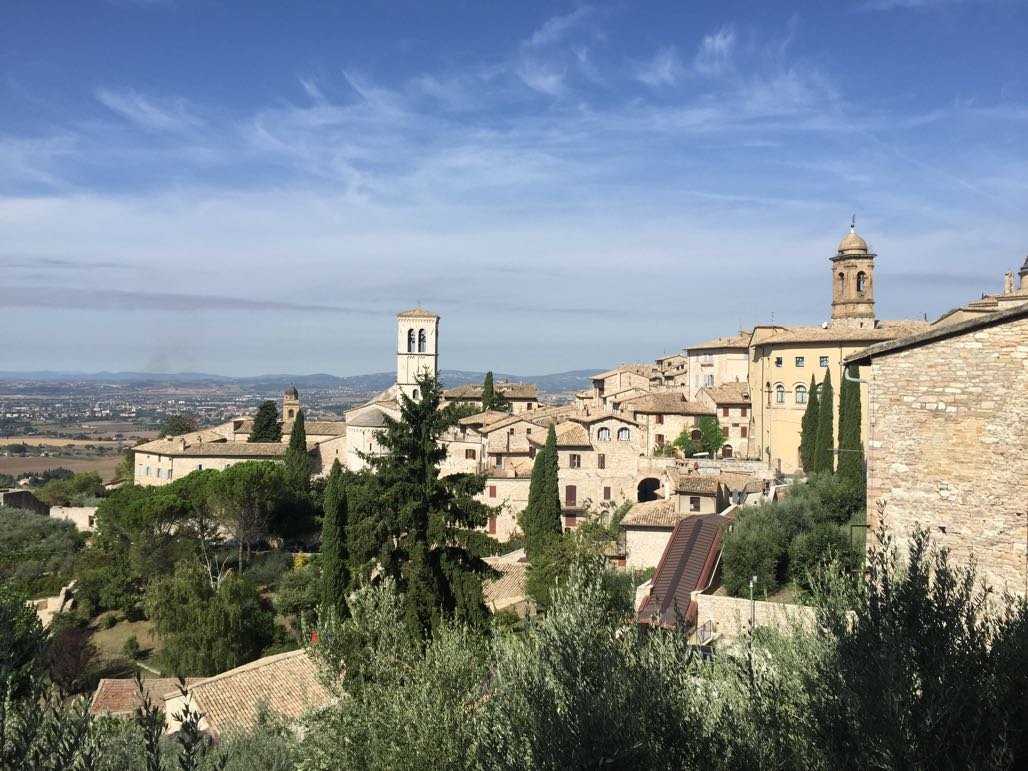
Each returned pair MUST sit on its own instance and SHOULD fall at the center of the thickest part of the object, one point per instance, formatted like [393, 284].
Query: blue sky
[259, 186]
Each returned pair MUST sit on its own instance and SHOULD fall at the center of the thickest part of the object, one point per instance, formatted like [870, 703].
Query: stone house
[698, 493]
[717, 362]
[731, 403]
[522, 397]
[948, 432]
[662, 417]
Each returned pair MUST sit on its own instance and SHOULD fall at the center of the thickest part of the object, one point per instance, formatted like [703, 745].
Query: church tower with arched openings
[290, 403]
[853, 283]
[417, 349]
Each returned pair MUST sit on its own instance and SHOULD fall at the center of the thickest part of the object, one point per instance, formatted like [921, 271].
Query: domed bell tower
[853, 283]
[290, 403]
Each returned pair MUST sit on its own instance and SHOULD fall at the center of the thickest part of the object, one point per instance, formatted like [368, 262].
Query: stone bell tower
[290, 403]
[853, 284]
[417, 348]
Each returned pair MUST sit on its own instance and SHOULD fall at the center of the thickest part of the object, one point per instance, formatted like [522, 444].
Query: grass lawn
[110, 643]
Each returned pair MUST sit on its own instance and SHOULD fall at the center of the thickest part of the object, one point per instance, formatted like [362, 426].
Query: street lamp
[753, 619]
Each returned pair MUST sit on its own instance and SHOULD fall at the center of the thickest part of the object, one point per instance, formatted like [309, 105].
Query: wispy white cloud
[554, 29]
[541, 77]
[146, 112]
[715, 52]
[664, 69]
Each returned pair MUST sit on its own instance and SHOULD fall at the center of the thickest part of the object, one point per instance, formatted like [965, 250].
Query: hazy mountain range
[376, 381]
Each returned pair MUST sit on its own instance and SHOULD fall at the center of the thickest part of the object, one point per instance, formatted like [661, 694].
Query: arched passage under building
[647, 490]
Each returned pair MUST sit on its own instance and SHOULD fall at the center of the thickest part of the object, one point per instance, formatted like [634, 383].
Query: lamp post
[753, 618]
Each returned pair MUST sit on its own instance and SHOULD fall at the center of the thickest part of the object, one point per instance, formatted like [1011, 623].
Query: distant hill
[377, 381]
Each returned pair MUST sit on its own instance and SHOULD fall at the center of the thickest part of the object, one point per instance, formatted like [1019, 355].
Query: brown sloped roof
[697, 484]
[665, 404]
[509, 588]
[417, 313]
[571, 434]
[660, 514]
[885, 330]
[643, 370]
[729, 393]
[324, 427]
[685, 567]
[286, 684]
[737, 482]
[220, 449]
[741, 340]
[503, 388]
[120, 696]
[483, 418]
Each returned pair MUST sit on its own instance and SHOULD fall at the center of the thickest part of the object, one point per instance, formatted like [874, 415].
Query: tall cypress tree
[488, 393]
[298, 465]
[541, 519]
[851, 450]
[823, 456]
[265, 424]
[808, 430]
[335, 574]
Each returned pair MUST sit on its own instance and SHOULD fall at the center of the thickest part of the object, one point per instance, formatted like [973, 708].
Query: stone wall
[731, 615]
[81, 516]
[644, 546]
[948, 447]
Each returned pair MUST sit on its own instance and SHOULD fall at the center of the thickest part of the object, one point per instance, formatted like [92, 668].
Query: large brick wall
[949, 447]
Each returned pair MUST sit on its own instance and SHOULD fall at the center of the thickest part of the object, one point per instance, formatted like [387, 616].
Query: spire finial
[853, 224]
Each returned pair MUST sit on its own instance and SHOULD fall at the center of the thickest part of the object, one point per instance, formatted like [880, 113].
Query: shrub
[755, 546]
[266, 569]
[814, 549]
[109, 621]
[70, 656]
[298, 592]
[131, 648]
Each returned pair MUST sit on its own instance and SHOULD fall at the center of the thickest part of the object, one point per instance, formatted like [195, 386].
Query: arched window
[291, 413]
[861, 282]
[624, 434]
[842, 283]
[801, 394]
[767, 387]
[780, 393]
[415, 395]
[603, 434]
[410, 341]
[726, 451]
[422, 341]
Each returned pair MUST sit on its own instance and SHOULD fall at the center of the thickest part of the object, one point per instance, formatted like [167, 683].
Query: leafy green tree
[246, 496]
[22, 642]
[207, 630]
[808, 428]
[64, 492]
[410, 524]
[266, 427]
[851, 449]
[175, 425]
[335, 577]
[712, 437]
[755, 546]
[297, 461]
[824, 458]
[687, 444]
[540, 520]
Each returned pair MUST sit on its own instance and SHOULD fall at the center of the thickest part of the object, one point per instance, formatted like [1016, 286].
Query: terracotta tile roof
[571, 434]
[729, 393]
[417, 313]
[503, 388]
[699, 484]
[511, 420]
[596, 417]
[643, 370]
[737, 482]
[885, 330]
[373, 418]
[219, 449]
[684, 568]
[509, 588]
[664, 404]
[741, 340]
[286, 684]
[322, 428]
[659, 513]
[483, 418]
[120, 697]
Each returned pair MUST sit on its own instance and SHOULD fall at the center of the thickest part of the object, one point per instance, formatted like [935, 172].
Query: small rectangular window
[743, 412]
[778, 361]
[724, 412]
[199, 467]
[574, 461]
[824, 361]
[169, 473]
[148, 471]
[800, 361]
[606, 493]
[601, 460]
[498, 461]
[492, 525]
[694, 503]
[659, 439]
[469, 455]
[743, 431]
[708, 380]
[659, 420]
[571, 495]
[492, 491]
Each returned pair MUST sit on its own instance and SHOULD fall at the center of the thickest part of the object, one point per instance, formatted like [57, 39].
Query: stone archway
[647, 490]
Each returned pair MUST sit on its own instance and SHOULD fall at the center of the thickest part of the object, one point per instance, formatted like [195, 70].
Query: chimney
[1008, 283]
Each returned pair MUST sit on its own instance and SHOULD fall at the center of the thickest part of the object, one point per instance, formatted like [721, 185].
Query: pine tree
[541, 518]
[298, 465]
[416, 527]
[851, 451]
[266, 427]
[335, 574]
[808, 430]
[823, 457]
[488, 394]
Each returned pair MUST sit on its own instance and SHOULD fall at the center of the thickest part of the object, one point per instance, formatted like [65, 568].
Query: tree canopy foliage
[824, 443]
[540, 521]
[808, 427]
[266, 427]
[335, 572]
[851, 449]
[175, 425]
[416, 527]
